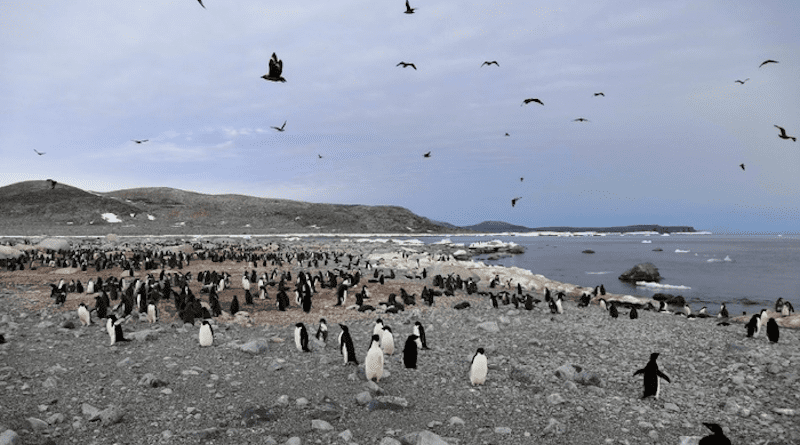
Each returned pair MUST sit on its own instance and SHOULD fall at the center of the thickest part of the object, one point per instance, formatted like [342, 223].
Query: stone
[50, 383]
[151, 381]
[255, 415]
[578, 374]
[689, 440]
[282, 400]
[375, 405]
[502, 430]
[319, 424]
[641, 272]
[37, 424]
[389, 441]
[10, 437]
[346, 435]
[255, 346]
[111, 415]
[554, 427]
[68, 324]
[144, 335]
[671, 407]
[90, 412]
[489, 326]
[555, 399]
[55, 418]
[294, 441]
[455, 420]
[363, 398]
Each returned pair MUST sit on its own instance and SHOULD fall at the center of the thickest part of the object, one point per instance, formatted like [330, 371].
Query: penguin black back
[234, 305]
[717, 438]
[613, 310]
[773, 333]
[651, 376]
[410, 352]
[634, 313]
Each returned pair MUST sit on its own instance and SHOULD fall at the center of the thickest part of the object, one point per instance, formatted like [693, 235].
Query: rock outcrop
[642, 272]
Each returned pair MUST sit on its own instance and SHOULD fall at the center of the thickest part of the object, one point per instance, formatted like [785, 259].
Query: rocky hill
[36, 207]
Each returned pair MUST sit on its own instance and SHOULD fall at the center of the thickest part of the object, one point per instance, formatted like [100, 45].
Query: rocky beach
[553, 378]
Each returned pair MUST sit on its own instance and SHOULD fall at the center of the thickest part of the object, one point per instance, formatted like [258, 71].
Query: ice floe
[111, 218]
[717, 260]
[682, 251]
[660, 286]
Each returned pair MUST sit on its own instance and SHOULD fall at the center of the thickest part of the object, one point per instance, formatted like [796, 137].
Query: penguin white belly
[373, 365]
[206, 336]
[111, 333]
[151, 313]
[387, 343]
[297, 342]
[478, 371]
[83, 314]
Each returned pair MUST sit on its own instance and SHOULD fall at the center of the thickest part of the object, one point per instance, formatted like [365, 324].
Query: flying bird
[39, 152]
[201, 3]
[275, 70]
[580, 119]
[409, 9]
[281, 128]
[521, 179]
[783, 134]
[741, 165]
[139, 142]
[508, 134]
[600, 94]
[741, 81]
[514, 201]
[493, 62]
[767, 61]
[427, 155]
[527, 101]
[320, 156]
[406, 65]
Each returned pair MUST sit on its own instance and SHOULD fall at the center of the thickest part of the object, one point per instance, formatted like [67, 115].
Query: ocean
[748, 273]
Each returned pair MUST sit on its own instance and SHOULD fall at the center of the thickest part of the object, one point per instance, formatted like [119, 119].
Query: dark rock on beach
[642, 272]
[670, 299]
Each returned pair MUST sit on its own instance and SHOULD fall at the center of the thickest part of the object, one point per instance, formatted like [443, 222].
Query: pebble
[294, 441]
[319, 424]
[455, 420]
[346, 435]
[10, 437]
[502, 430]
[37, 424]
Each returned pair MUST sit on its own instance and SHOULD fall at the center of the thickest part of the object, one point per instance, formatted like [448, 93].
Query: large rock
[54, 244]
[642, 272]
[9, 437]
[255, 346]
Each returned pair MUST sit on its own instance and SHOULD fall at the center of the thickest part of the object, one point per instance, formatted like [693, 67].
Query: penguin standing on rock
[346, 346]
[772, 330]
[479, 368]
[652, 386]
[723, 311]
[410, 352]
[373, 364]
[84, 315]
[206, 335]
[718, 438]
[301, 337]
[419, 331]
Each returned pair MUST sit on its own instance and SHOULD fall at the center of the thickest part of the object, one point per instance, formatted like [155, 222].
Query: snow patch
[597, 273]
[681, 251]
[717, 260]
[151, 217]
[111, 218]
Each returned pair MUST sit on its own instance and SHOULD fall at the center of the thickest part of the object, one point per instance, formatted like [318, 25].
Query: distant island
[32, 208]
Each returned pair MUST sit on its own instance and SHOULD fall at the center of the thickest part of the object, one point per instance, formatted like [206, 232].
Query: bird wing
[275, 66]
[783, 132]
[663, 376]
[201, 3]
[538, 101]
[767, 61]
[412, 66]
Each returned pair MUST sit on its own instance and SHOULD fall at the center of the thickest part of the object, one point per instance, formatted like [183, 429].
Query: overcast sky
[79, 80]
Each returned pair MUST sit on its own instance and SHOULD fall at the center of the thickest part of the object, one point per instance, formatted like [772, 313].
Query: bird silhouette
[580, 119]
[514, 201]
[139, 142]
[281, 128]
[508, 134]
[741, 81]
[39, 152]
[275, 70]
[767, 61]
[783, 134]
[493, 62]
[409, 9]
[406, 65]
[521, 179]
[527, 101]
[600, 94]
[201, 3]
[320, 156]
[427, 155]
[741, 165]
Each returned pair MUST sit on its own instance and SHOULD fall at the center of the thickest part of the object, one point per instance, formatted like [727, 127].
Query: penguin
[763, 317]
[341, 295]
[410, 352]
[718, 438]
[753, 326]
[206, 335]
[651, 373]
[322, 331]
[84, 315]
[772, 330]
[585, 300]
[634, 313]
[687, 310]
[152, 313]
[559, 303]
[245, 281]
[613, 310]
[234, 305]
[479, 368]
[419, 331]
[723, 311]
[101, 305]
[248, 297]
[301, 337]
[346, 346]
[114, 328]
[787, 308]
[703, 313]
[663, 308]
[373, 364]
[378, 328]
[306, 300]
[387, 341]
[603, 305]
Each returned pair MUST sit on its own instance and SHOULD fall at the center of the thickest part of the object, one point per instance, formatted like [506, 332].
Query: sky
[80, 80]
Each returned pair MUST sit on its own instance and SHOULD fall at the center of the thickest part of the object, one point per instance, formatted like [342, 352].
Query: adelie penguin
[234, 305]
[322, 331]
[634, 313]
[373, 364]
[301, 337]
[387, 341]
[410, 352]
[206, 335]
[378, 328]
[753, 326]
[717, 438]
[772, 330]
[84, 315]
[346, 347]
[152, 313]
[652, 385]
[114, 328]
[341, 295]
[419, 331]
[613, 310]
[479, 368]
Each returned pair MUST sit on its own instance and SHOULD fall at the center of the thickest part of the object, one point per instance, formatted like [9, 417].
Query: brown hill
[32, 207]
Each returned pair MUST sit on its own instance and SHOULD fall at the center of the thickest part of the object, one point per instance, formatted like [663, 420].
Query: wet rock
[641, 272]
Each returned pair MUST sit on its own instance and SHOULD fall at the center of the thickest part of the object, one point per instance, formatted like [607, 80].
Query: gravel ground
[164, 388]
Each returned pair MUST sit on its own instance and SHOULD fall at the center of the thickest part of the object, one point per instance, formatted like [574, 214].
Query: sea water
[748, 273]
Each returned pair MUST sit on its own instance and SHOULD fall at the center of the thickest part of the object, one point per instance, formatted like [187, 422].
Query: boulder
[642, 272]
[255, 346]
[53, 244]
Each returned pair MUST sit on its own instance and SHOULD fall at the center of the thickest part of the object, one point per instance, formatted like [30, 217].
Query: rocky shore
[553, 378]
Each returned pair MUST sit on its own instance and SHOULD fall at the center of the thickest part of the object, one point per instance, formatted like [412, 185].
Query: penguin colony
[145, 294]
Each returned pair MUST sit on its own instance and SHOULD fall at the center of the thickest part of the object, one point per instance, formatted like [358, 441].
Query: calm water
[762, 268]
